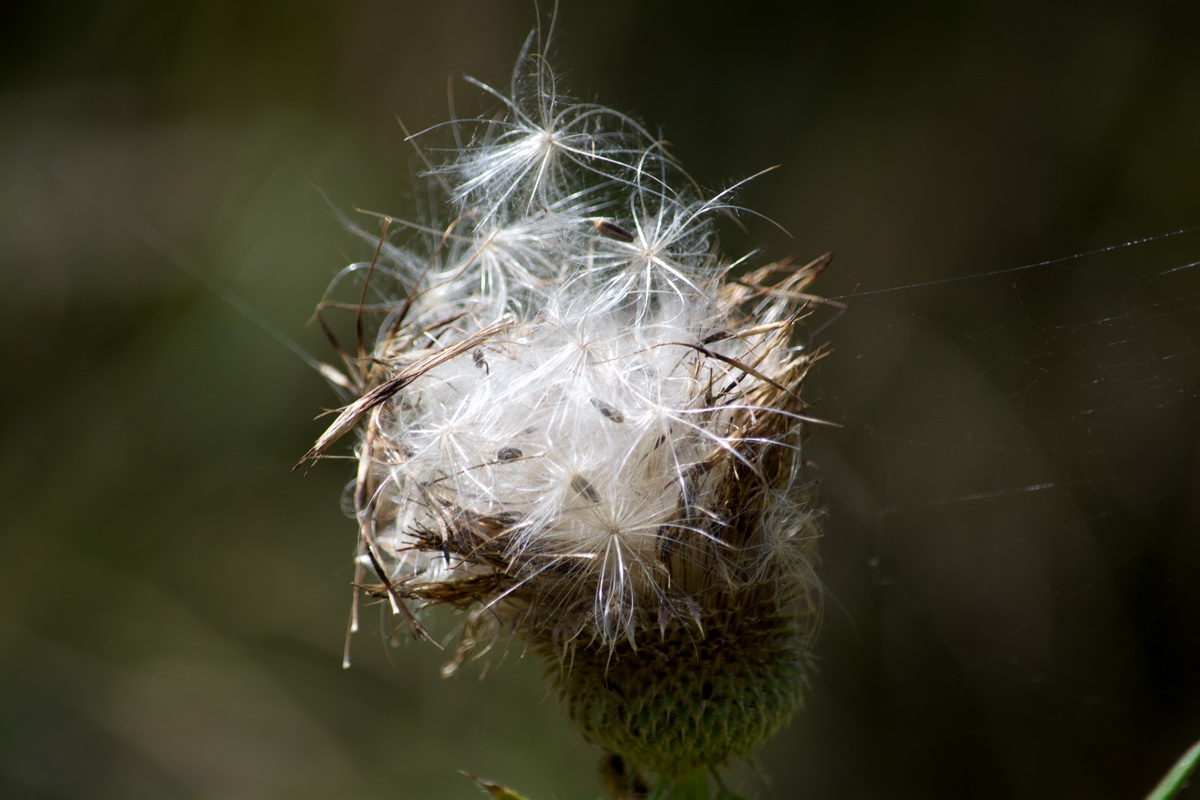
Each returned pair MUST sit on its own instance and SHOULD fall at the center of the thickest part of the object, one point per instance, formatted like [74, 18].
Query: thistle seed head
[582, 426]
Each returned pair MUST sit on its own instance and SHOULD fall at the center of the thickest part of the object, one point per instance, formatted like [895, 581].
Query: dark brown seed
[611, 230]
[608, 411]
[584, 488]
[508, 454]
[479, 361]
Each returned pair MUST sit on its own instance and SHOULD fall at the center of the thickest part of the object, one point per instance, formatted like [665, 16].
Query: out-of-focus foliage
[172, 601]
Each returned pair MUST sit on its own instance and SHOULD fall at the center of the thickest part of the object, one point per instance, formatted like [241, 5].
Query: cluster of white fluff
[568, 396]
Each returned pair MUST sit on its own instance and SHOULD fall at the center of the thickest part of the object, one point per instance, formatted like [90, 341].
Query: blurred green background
[1012, 548]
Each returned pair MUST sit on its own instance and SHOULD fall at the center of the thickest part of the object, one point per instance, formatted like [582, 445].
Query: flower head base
[578, 427]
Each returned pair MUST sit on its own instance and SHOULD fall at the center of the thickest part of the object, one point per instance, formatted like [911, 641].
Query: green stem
[689, 786]
[1177, 777]
[694, 785]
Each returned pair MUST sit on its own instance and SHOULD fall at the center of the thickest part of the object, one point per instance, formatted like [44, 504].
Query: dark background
[1012, 551]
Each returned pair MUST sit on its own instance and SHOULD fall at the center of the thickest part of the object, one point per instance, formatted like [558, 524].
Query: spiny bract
[579, 426]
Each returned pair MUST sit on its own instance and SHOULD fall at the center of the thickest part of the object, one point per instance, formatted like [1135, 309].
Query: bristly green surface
[1177, 778]
[684, 701]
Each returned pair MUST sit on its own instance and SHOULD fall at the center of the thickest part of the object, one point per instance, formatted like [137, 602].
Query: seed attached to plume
[508, 454]
[478, 360]
[583, 487]
[610, 413]
[611, 230]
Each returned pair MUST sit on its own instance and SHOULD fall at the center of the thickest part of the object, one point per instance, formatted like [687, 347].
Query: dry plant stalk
[580, 429]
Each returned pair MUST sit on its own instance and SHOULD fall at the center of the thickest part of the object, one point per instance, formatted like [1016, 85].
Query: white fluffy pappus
[575, 422]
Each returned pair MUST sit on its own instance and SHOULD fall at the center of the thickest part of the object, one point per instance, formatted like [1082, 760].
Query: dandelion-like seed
[580, 429]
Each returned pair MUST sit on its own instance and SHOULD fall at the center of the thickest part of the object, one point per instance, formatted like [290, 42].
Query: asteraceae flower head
[578, 427]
